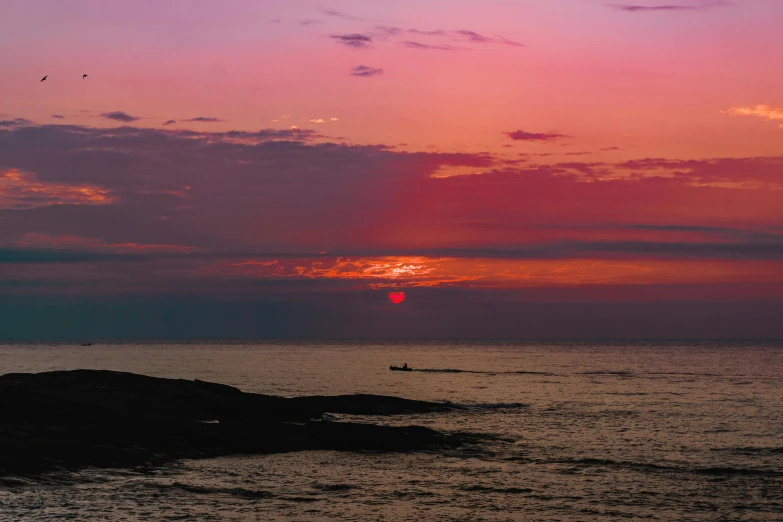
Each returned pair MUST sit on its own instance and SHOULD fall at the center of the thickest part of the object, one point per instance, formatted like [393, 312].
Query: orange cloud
[21, 190]
[411, 272]
[762, 111]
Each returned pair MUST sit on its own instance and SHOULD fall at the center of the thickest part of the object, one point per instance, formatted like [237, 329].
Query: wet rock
[80, 418]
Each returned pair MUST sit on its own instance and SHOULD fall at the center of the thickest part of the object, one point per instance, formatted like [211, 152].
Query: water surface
[581, 431]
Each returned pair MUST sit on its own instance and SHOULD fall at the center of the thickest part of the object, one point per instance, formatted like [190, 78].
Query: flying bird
[84, 76]
[45, 77]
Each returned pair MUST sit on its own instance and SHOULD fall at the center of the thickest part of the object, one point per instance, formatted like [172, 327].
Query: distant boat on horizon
[86, 344]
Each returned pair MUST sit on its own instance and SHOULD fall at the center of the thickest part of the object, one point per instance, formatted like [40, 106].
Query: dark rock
[82, 418]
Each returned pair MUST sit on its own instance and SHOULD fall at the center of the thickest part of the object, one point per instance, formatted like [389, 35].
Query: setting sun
[396, 297]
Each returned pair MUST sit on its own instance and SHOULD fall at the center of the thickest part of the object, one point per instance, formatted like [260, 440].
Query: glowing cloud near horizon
[22, 190]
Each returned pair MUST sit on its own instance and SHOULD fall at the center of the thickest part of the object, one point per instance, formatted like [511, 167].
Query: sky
[275, 168]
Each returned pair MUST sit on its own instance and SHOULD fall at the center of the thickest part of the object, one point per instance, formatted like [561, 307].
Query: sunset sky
[274, 168]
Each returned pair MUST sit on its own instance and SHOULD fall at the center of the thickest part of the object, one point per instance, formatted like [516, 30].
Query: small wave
[480, 372]
[621, 373]
[201, 490]
[326, 417]
[690, 374]
[737, 471]
[475, 443]
[333, 487]
[15, 482]
[412, 494]
[497, 406]
[641, 466]
[524, 459]
[720, 430]
[752, 450]
[444, 370]
[488, 489]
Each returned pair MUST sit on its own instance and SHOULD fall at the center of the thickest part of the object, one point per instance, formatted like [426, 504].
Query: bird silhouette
[84, 76]
[45, 77]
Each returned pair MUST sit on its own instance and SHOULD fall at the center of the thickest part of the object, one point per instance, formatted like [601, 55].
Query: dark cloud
[42, 256]
[338, 14]
[58, 116]
[14, 122]
[519, 135]
[355, 40]
[573, 249]
[465, 35]
[173, 198]
[419, 45]
[386, 30]
[179, 202]
[512, 43]
[295, 135]
[680, 228]
[768, 249]
[169, 122]
[119, 116]
[635, 8]
[278, 197]
[763, 171]
[203, 119]
[705, 4]
[212, 180]
[365, 71]
[473, 36]
[437, 32]
[772, 235]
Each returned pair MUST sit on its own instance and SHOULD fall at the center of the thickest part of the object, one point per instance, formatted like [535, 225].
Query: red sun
[396, 297]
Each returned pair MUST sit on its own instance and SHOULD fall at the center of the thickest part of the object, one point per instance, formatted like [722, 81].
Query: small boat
[403, 368]
[86, 344]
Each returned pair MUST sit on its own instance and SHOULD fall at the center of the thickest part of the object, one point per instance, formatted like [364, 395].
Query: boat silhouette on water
[403, 368]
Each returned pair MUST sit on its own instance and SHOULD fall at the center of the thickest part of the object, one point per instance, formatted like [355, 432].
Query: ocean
[574, 431]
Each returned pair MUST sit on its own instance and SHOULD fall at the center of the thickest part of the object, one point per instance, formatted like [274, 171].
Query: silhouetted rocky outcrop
[81, 418]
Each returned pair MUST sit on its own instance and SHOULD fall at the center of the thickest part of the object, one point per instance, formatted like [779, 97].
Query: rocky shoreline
[73, 419]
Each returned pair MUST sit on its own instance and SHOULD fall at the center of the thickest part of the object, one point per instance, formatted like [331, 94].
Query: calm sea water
[584, 431]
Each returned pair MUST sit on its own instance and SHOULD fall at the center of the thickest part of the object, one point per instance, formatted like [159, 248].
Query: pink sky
[656, 83]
